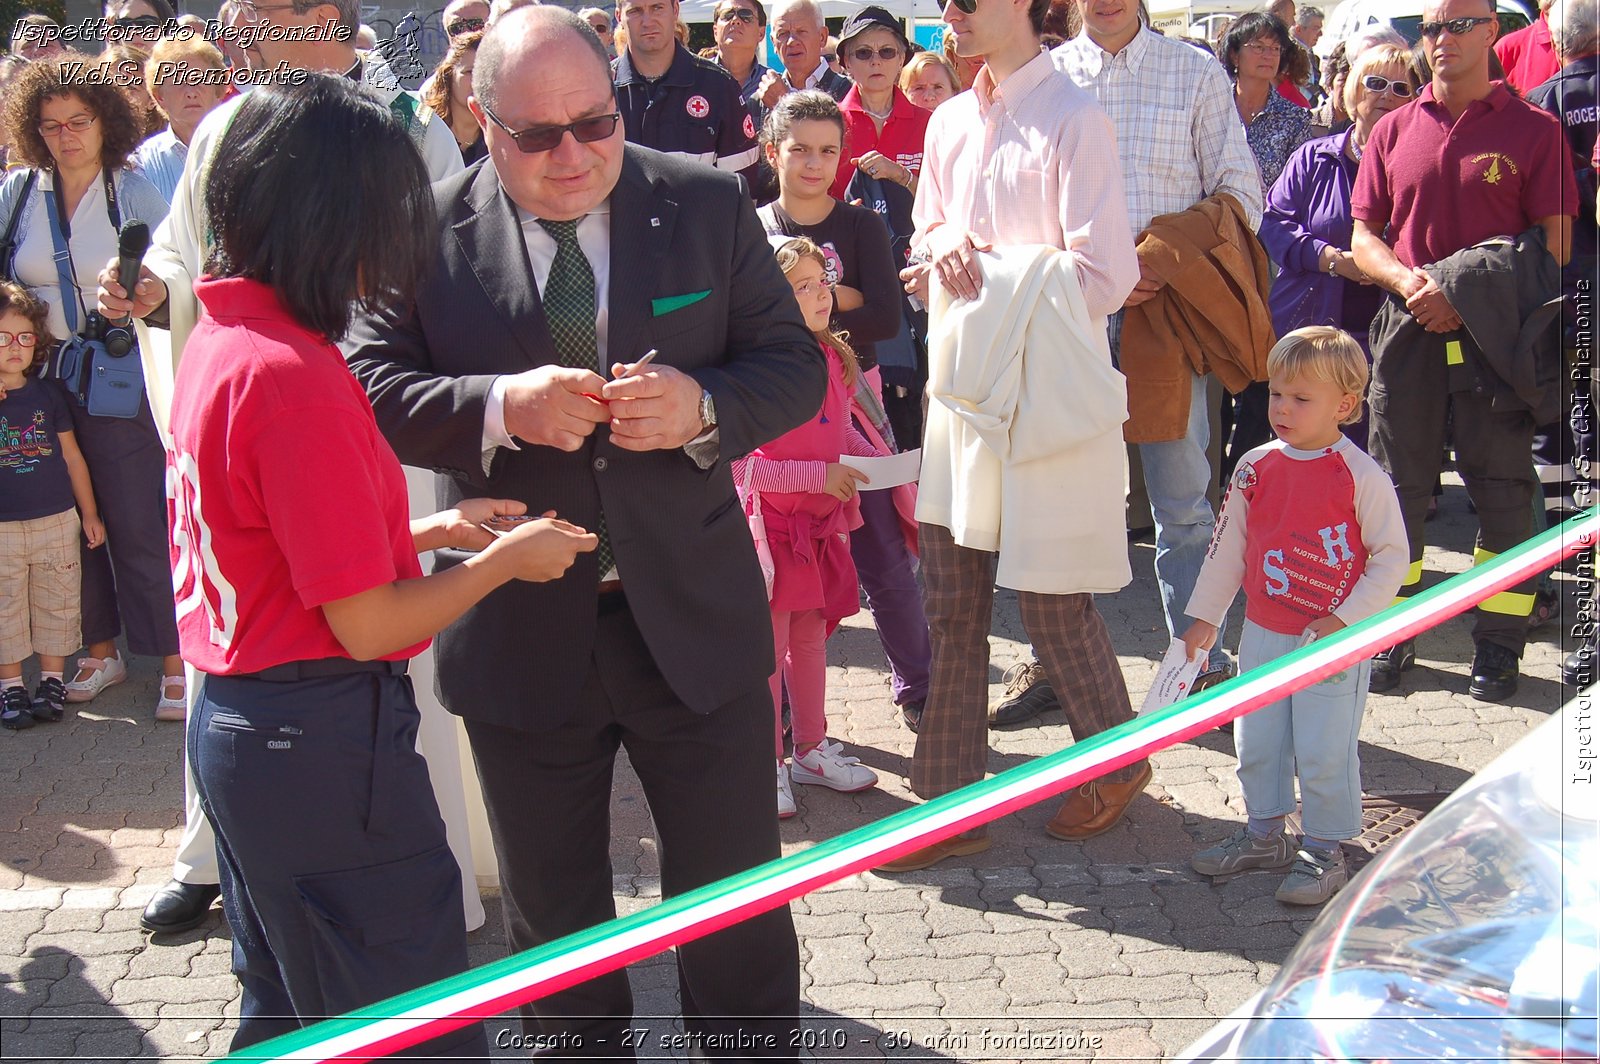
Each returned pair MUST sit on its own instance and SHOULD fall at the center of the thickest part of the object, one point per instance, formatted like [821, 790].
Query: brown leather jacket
[1211, 316]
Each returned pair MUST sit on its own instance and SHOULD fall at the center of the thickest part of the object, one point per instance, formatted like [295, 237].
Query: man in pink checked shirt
[1025, 158]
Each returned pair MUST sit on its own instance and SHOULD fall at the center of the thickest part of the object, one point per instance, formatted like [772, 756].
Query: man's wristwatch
[708, 412]
[1333, 263]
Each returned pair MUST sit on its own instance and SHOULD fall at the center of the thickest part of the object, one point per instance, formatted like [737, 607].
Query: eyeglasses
[1374, 83]
[865, 55]
[464, 25]
[1264, 48]
[1457, 26]
[25, 339]
[807, 289]
[966, 7]
[737, 14]
[77, 123]
[255, 9]
[536, 139]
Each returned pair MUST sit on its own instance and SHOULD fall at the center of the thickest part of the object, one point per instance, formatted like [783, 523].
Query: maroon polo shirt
[1440, 186]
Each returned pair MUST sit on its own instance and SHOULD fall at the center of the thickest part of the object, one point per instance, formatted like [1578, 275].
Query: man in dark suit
[566, 251]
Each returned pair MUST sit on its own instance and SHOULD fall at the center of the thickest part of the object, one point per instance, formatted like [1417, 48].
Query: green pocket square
[668, 304]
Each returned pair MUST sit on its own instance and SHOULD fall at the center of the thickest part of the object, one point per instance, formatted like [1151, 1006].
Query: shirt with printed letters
[1306, 534]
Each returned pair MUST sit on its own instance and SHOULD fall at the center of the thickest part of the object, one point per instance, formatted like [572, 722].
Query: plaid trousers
[1067, 633]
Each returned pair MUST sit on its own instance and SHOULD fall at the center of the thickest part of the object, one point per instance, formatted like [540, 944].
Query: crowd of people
[1066, 256]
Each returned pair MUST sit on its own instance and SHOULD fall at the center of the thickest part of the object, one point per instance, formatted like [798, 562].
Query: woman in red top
[299, 594]
[884, 131]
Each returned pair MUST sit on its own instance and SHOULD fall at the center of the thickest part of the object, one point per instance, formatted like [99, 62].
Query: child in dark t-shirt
[43, 484]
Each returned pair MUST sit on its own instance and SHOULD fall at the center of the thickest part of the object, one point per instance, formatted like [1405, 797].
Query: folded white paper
[1174, 678]
[890, 472]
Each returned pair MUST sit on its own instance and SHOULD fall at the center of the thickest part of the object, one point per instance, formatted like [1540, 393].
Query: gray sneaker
[1315, 877]
[1242, 852]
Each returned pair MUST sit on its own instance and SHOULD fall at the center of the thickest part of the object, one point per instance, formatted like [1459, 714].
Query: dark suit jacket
[519, 658]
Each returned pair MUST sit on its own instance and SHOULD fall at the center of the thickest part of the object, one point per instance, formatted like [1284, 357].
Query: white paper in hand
[1174, 679]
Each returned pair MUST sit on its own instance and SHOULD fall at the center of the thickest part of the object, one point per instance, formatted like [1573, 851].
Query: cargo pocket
[378, 931]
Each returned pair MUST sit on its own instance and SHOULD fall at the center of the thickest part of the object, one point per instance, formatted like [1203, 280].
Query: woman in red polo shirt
[299, 594]
[884, 131]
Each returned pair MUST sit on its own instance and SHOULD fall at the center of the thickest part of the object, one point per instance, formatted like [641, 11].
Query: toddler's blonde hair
[1325, 354]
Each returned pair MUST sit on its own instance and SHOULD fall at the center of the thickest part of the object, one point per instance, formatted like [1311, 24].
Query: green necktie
[570, 308]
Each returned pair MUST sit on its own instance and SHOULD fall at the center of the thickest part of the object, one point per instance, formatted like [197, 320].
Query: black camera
[118, 339]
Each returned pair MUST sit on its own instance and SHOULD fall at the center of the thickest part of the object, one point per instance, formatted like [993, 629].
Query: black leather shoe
[1578, 668]
[1494, 673]
[911, 713]
[1387, 665]
[179, 906]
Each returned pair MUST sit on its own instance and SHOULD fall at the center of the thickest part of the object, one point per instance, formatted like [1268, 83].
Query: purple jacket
[1308, 208]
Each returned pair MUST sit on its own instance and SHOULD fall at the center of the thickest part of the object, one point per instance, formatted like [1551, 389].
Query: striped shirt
[1179, 137]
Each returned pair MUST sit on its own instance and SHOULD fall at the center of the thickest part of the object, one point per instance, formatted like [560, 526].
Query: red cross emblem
[698, 107]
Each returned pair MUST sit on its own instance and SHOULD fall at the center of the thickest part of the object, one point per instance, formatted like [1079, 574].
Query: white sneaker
[786, 808]
[102, 673]
[827, 766]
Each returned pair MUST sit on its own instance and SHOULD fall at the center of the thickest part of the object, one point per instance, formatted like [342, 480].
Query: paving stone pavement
[1110, 950]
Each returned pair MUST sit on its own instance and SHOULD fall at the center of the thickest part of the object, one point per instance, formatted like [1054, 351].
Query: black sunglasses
[966, 7]
[1375, 83]
[1456, 26]
[464, 25]
[742, 14]
[865, 55]
[535, 139]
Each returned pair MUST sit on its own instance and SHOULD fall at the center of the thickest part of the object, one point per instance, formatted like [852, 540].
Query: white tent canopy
[700, 10]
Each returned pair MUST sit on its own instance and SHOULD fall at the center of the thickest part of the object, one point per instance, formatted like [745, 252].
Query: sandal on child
[172, 708]
[15, 706]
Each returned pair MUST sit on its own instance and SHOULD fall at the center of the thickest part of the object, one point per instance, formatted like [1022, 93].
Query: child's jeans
[39, 587]
[800, 642]
[1315, 729]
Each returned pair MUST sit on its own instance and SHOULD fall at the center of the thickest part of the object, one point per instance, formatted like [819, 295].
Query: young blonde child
[44, 484]
[808, 501]
[1311, 529]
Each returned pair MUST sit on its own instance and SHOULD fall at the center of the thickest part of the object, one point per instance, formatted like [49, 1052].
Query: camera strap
[61, 237]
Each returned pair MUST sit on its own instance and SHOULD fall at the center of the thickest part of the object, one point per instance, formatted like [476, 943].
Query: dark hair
[1248, 27]
[121, 127]
[163, 8]
[440, 95]
[318, 191]
[809, 105]
[19, 298]
[1037, 10]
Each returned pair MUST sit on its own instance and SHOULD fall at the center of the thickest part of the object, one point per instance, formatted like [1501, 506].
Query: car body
[1476, 936]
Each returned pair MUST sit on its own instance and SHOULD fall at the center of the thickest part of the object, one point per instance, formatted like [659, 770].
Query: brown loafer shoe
[928, 856]
[1095, 807]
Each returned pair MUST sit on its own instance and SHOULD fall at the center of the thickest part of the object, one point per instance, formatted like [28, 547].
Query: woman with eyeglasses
[1258, 53]
[1307, 224]
[884, 131]
[75, 191]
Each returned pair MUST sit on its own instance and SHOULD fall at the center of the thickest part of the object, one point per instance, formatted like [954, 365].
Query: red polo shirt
[1528, 55]
[901, 139]
[1439, 186]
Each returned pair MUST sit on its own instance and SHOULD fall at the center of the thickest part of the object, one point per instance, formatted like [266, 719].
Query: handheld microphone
[132, 242]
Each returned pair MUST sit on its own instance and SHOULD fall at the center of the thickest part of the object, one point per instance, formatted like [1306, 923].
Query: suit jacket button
[600, 465]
